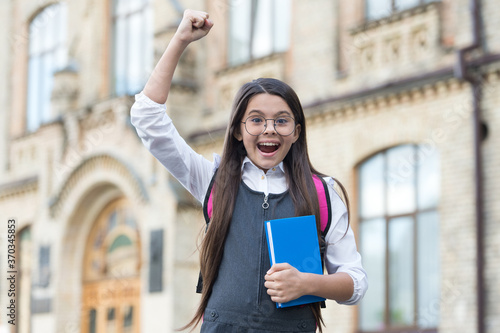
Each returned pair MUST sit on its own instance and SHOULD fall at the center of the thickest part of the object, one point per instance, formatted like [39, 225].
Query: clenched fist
[194, 25]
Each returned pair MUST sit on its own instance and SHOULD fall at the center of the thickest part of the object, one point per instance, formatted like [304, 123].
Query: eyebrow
[279, 113]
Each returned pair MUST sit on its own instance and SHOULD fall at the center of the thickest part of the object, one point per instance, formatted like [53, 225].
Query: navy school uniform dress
[239, 301]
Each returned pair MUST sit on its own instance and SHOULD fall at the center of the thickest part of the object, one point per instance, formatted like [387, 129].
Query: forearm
[158, 85]
[194, 25]
[338, 286]
[286, 283]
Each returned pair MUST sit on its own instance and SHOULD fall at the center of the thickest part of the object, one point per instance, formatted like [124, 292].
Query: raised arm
[194, 25]
[152, 123]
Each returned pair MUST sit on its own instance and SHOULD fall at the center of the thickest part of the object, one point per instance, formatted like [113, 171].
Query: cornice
[19, 187]
[426, 87]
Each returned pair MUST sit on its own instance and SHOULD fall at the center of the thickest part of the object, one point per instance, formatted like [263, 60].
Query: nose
[269, 129]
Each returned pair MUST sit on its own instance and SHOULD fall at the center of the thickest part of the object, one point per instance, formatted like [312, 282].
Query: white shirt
[194, 172]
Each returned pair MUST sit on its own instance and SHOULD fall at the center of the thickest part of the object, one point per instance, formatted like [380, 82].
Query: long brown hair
[301, 189]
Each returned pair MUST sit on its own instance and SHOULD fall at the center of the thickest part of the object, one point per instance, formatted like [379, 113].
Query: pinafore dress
[239, 301]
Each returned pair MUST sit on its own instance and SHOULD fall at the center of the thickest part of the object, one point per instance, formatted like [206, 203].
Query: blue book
[294, 241]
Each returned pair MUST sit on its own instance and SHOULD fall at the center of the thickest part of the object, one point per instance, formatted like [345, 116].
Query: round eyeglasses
[256, 125]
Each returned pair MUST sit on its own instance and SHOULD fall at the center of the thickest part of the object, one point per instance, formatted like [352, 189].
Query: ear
[296, 133]
[237, 134]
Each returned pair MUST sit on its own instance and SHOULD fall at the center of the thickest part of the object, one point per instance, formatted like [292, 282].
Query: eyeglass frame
[274, 125]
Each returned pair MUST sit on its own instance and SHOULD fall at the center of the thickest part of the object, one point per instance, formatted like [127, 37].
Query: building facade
[402, 101]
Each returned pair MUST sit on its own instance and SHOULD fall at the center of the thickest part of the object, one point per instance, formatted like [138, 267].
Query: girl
[264, 159]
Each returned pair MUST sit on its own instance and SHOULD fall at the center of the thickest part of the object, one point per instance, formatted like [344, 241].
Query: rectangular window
[92, 321]
[128, 319]
[375, 9]
[156, 261]
[240, 31]
[111, 321]
[44, 266]
[258, 28]
[133, 45]
[406, 4]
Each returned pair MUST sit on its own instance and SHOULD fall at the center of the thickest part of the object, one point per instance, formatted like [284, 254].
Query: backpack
[325, 212]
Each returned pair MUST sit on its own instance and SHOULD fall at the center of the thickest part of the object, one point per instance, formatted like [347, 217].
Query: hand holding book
[294, 253]
[284, 283]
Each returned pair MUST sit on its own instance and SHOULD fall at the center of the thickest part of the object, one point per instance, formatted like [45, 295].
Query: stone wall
[365, 87]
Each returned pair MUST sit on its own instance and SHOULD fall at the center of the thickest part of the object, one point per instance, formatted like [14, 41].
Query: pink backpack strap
[325, 208]
[324, 203]
[208, 202]
[321, 190]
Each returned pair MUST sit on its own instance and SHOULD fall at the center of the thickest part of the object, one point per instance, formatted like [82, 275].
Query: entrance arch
[111, 272]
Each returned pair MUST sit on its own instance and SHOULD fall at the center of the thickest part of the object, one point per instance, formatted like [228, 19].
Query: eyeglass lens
[256, 125]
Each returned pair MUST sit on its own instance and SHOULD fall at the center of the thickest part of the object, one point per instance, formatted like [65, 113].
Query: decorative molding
[379, 99]
[65, 91]
[396, 17]
[19, 187]
[410, 40]
[426, 86]
[93, 164]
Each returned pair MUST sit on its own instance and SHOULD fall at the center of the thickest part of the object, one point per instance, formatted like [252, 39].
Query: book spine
[270, 243]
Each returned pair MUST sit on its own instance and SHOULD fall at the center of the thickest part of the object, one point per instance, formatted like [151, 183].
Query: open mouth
[268, 147]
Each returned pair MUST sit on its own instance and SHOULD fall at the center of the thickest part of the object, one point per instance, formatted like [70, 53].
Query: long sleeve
[341, 251]
[159, 135]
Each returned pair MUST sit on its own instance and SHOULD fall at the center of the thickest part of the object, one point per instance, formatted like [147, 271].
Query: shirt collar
[248, 163]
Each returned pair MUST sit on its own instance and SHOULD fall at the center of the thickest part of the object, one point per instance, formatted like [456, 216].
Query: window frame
[250, 47]
[387, 218]
[145, 11]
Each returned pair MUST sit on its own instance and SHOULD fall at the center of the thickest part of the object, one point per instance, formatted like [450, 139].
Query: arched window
[133, 45]
[47, 55]
[258, 28]
[399, 192]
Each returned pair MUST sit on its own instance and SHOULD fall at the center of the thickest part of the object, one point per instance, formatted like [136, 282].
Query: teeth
[268, 144]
